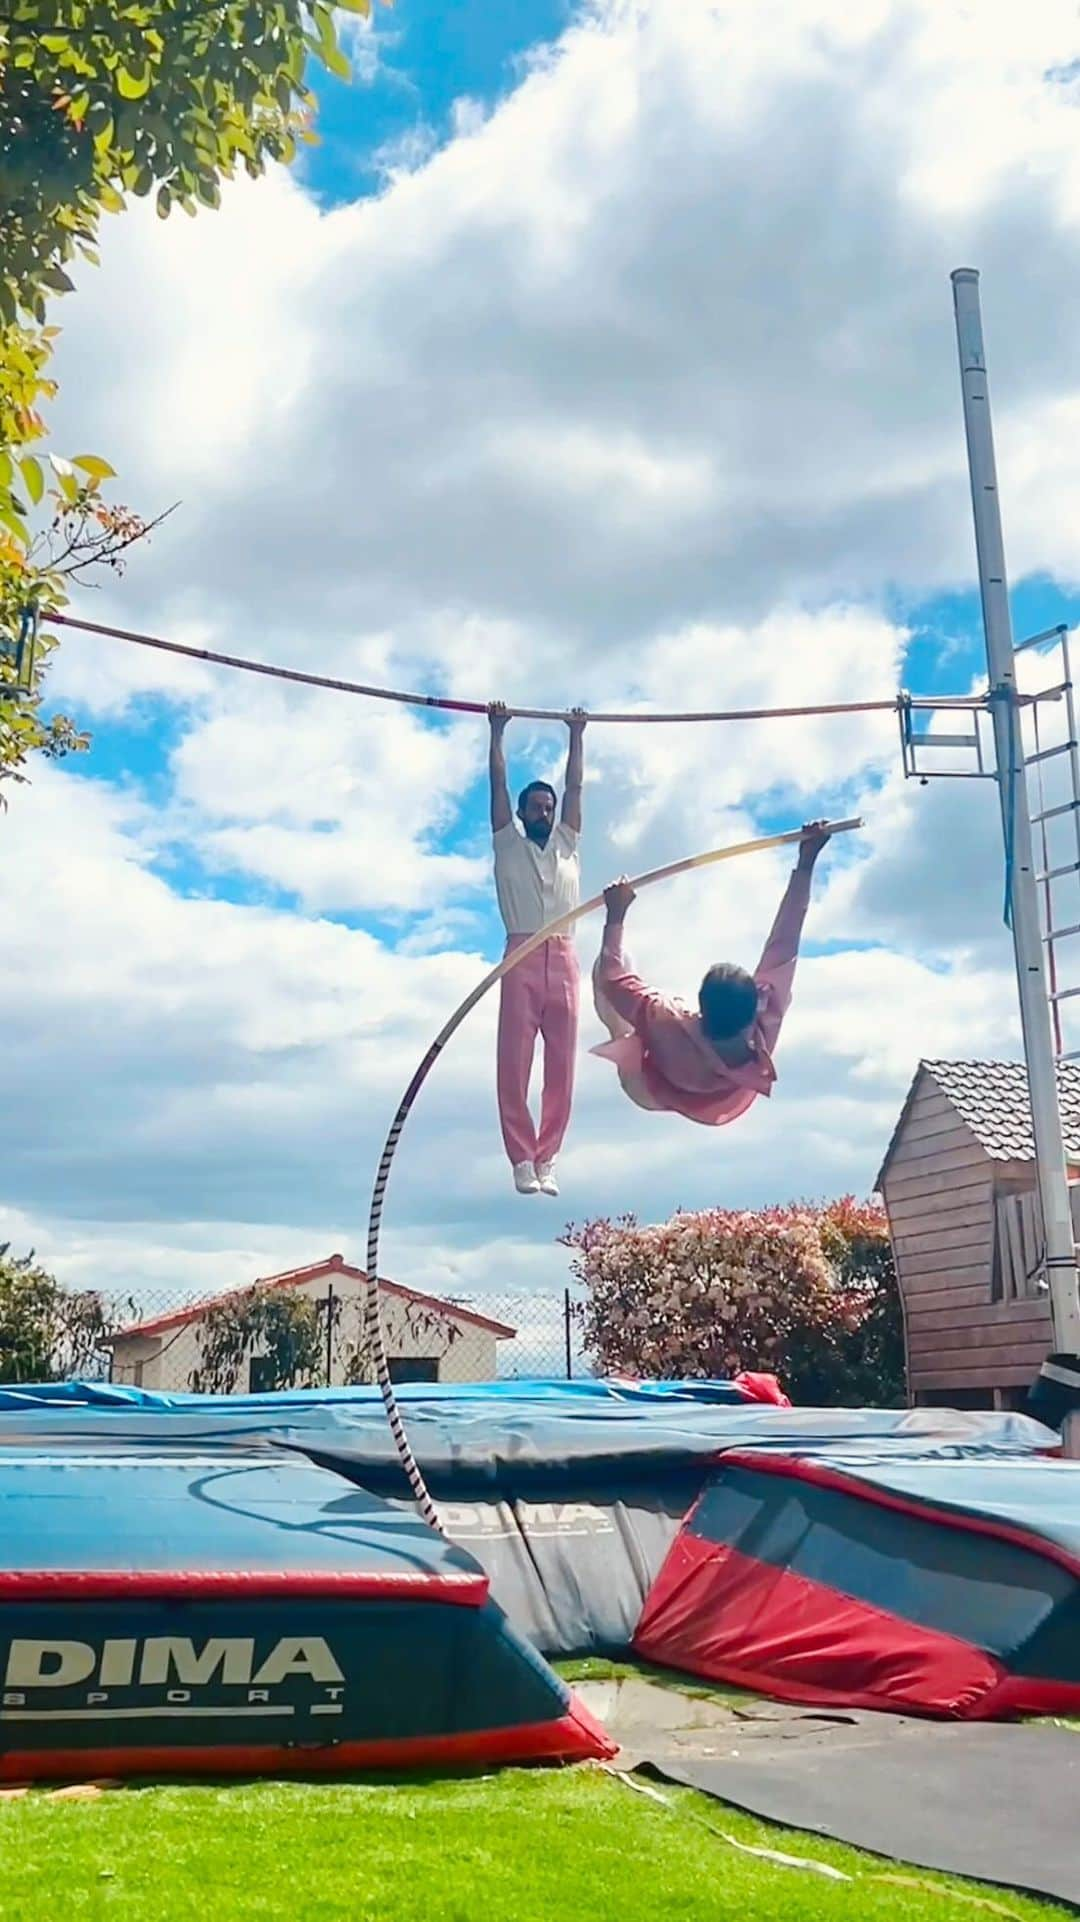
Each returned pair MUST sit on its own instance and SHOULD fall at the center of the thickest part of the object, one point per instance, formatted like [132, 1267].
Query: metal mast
[1050, 1163]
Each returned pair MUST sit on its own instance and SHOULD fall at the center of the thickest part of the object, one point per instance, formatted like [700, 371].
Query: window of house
[260, 1378]
[413, 1368]
[1019, 1249]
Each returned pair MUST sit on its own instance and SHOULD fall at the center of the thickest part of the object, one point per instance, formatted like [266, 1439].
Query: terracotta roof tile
[294, 1278]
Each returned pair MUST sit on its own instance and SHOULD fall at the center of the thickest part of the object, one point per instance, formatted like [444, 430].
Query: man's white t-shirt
[536, 885]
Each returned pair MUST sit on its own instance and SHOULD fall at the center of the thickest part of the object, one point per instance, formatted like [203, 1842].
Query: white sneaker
[525, 1179]
[545, 1176]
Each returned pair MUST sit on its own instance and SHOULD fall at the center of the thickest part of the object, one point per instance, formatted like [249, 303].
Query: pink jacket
[668, 1049]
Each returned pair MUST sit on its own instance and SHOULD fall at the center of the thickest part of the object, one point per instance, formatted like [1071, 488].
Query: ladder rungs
[1048, 634]
[1051, 814]
[944, 740]
[1073, 1055]
[1064, 994]
[1061, 934]
[1049, 753]
[1054, 874]
[1049, 693]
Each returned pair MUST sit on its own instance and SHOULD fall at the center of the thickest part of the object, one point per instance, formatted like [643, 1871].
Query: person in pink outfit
[537, 879]
[709, 1064]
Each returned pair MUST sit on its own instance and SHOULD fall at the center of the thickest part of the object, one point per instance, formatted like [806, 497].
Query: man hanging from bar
[710, 1064]
[537, 879]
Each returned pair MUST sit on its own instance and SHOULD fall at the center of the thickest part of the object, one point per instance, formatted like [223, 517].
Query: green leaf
[93, 465]
[337, 62]
[31, 471]
[56, 278]
[14, 525]
[132, 86]
[7, 469]
[164, 202]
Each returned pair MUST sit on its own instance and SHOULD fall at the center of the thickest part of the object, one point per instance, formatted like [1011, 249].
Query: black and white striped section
[374, 1312]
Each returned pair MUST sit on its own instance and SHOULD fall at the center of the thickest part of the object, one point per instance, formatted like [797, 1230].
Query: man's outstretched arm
[501, 813]
[775, 972]
[575, 770]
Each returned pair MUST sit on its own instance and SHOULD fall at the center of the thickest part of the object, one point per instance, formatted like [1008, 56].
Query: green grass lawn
[569, 1845]
[603, 1668]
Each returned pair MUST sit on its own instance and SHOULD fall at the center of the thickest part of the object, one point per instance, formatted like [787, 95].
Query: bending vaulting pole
[511, 960]
[893, 705]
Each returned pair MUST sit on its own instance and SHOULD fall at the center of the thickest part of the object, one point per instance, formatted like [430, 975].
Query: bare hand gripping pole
[511, 960]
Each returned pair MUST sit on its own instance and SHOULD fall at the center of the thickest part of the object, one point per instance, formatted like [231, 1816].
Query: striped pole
[630, 717]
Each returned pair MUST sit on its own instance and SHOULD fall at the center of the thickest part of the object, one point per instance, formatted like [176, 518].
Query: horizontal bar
[948, 703]
[914, 773]
[1050, 693]
[1073, 1055]
[944, 740]
[1055, 874]
[1048, 634]
[1064, 994]
[892, 704]
[1051, 814]
[1061, 934]
[1048, 753]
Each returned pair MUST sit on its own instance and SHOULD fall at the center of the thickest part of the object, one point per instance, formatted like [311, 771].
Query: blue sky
[944, 656]
[415, 64]
[430, 56]
[606, 363]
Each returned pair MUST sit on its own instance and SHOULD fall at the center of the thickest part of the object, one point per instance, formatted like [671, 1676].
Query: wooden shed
[958, 1183]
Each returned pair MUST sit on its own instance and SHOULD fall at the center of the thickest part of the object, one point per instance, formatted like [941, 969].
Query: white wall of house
[458, 1349]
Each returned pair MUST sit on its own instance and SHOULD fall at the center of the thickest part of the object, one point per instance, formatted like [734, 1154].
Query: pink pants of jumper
[538, 997]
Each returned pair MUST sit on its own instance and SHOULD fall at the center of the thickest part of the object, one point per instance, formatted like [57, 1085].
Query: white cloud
[641, 392]
[670, 332]
[211, 1084]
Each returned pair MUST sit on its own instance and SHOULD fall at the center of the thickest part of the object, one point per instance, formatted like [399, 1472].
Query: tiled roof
[992, 1098]
[294, 1278]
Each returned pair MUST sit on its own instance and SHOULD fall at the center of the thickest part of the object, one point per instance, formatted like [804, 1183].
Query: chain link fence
[546, 1339]
[171, 1341]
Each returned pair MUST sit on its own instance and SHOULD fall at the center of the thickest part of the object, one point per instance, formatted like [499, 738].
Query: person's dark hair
[728, 1000]
[536, 787]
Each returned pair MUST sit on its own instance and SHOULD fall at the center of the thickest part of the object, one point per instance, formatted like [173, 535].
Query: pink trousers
[538, 997]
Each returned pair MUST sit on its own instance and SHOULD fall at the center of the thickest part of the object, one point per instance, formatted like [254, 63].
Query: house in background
[958, 1183]
[427, 1338]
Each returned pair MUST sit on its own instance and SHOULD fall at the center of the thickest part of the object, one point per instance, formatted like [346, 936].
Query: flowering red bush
[806, 1292]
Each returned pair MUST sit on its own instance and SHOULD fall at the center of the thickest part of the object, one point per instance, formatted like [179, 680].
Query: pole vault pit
[235, 1613]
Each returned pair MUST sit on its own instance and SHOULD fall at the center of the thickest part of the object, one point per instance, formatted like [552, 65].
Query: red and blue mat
[188, 1613]
[945, 1587]
[569, 1494]
[195, 1584]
